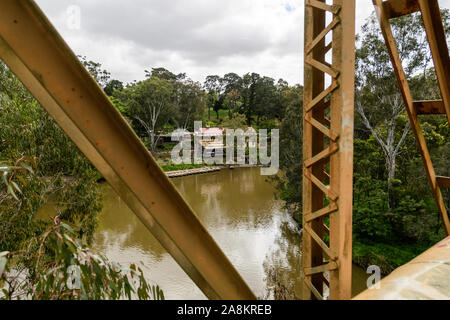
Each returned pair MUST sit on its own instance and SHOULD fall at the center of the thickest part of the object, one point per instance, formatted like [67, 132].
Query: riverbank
[387, 256]
[163, 158]
[190, 172]
[203, 170]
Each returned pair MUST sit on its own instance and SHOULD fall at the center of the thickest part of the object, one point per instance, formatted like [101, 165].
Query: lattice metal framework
[432, 21]
[328, 110]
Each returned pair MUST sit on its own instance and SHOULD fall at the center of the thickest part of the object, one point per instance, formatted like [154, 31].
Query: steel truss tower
[328, 111]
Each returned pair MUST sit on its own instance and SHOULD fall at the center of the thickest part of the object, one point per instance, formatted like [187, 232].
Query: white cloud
[199, 37]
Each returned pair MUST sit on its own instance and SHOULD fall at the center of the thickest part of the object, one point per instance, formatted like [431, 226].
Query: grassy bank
[386, 256]
[164, 160]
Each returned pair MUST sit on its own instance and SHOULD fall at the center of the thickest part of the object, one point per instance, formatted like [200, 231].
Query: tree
[164, 74]
[95, 69]
[113, 85]
[215, 86]
[150, 105]
[266, 99]
[378, 101]
[387, 136]
[233, 87]
[189, 103]
[56, 265]
[395, 217]
[249, 84]
[233, 102]
[63, 173]
[252, 95]
[237, 121]
[289, 180]
[40, 165]
[284, 96]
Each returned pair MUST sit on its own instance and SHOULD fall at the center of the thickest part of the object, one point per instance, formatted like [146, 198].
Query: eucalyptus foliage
[63, 269]
[39, 166]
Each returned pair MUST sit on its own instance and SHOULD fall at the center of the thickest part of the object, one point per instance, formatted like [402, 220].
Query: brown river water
[239, 209]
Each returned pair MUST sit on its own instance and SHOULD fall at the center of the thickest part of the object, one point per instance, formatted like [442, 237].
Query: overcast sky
[199, 37]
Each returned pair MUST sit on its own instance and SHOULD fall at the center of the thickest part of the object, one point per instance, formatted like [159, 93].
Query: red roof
[212, 131]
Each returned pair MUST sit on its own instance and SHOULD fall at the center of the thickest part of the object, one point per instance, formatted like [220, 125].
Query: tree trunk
[387, 143]
[152, 142]
[391, 161]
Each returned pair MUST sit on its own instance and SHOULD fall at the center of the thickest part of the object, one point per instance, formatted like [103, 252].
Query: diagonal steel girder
[37, 54]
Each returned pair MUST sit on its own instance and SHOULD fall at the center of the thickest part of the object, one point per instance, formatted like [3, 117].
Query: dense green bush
[40, 165]
[63, 176]
[59, 267]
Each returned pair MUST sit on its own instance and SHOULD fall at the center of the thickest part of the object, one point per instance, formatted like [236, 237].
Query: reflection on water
[239, 209]
[283, 264]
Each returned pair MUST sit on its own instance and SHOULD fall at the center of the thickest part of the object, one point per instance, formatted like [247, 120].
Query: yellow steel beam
[398, 8]
[313, 144]
[328, 141]
[429, 107]
[341, 162]
[443, 182]
[40, 58]
[432, 21]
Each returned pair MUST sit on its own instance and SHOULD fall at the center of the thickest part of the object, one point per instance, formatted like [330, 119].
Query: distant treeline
[165, 101]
